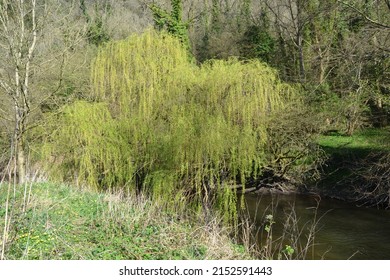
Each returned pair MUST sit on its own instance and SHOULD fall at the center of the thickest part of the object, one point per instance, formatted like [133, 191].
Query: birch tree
[40, 43]
[19, 35]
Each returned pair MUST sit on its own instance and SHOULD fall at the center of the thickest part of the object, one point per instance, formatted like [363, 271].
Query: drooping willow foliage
[162, 125]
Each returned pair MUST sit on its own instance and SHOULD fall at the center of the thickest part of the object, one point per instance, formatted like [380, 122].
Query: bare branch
[29, 55]
[387, 3]
[370, 20]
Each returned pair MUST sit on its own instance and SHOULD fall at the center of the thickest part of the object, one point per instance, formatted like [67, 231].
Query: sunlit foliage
[164, 126]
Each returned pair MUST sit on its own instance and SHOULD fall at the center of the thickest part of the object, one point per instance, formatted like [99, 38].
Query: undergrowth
[62, 222]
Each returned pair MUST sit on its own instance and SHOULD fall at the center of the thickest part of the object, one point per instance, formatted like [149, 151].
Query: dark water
[344, 231]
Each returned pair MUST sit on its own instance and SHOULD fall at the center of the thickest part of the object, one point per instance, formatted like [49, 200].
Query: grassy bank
[62, 222]
[357, 167]
[371, 139]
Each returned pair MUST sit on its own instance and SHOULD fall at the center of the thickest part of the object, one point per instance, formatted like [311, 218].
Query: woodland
[190, 103]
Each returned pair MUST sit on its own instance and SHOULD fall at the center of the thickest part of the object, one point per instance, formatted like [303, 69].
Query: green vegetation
[164, 126]
[172, 22]
[184, 115]
[61, 222]
[358, 166]
[371, 139]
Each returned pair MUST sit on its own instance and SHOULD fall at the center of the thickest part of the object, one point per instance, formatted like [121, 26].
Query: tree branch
[370, 20]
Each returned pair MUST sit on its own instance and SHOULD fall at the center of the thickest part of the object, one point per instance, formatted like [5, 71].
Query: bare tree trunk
[300, 26]
[19, 149]
[19, 29]
[21, 162]
[323, 60]
[302, 71]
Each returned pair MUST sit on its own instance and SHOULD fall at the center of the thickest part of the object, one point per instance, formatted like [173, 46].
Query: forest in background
[238, 97]
[180, 105]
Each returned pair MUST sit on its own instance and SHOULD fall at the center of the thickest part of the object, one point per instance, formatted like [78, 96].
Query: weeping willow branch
[167, 127]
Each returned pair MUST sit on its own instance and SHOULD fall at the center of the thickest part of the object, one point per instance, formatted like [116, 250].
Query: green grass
[348, 155]
[371, 139]
[62, 222]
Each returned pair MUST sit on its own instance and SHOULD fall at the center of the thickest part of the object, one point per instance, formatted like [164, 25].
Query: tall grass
[272, 235]
[62, 222]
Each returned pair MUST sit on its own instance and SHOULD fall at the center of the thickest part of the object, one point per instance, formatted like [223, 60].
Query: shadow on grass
[348, 158]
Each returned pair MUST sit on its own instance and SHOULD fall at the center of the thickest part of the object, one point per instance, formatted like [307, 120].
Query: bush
[343, 112]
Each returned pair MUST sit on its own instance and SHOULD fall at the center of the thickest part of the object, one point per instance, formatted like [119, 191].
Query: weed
[61, 222]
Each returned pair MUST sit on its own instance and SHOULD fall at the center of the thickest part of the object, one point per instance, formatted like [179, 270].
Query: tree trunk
[302, 72]
[21, 162]
[18, 145]
[299, 28]
[379, 113]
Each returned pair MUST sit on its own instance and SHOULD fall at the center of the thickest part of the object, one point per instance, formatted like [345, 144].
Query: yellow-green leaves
[88, 146]
[169, 127]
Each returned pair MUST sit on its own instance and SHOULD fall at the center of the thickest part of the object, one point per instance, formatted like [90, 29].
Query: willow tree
[168, 127]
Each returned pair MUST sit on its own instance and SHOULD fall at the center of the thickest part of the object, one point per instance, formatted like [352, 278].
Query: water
[344, 230]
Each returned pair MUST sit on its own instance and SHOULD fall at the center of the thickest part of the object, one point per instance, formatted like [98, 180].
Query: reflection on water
[344, 230]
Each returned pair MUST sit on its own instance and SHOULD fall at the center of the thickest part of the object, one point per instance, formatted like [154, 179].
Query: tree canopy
[164, 125]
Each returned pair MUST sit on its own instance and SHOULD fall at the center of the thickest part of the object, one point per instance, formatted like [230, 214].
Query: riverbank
[357, 169]
[56, 221]
[52, 221]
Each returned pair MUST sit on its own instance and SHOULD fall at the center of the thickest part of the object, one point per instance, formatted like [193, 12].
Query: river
[343, 231]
